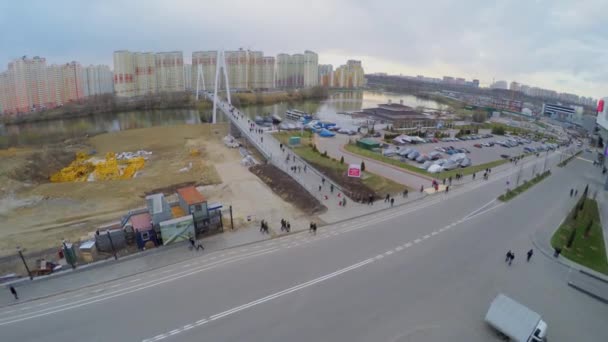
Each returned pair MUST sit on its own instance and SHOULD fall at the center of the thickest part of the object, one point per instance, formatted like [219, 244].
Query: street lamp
[29, 273]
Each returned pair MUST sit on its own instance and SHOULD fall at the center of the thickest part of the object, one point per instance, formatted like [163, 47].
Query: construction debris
[230, 141]
[85, 168]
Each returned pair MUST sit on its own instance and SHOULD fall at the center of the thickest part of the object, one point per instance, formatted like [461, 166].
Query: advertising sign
[354, 170]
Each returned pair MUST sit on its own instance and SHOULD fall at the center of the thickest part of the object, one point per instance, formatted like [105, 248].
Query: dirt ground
[36, 214]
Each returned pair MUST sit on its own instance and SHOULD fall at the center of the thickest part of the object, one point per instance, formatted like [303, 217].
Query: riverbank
[272, 97]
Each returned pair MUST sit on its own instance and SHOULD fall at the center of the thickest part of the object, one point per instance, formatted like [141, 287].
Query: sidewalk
[110, 269]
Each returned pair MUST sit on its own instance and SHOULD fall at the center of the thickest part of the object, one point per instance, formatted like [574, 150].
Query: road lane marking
[127, 290]
[417, 241]
[276, 295]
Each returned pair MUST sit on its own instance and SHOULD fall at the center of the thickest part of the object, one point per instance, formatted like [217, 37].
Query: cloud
[558, 44]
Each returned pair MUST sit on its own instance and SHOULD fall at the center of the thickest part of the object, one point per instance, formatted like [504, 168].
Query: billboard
[354, 170]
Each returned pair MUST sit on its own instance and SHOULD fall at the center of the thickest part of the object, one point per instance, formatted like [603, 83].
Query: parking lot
[477, 155]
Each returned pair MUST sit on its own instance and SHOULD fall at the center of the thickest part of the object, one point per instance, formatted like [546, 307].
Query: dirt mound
[351, 186]
[41, 165]
[289, 190]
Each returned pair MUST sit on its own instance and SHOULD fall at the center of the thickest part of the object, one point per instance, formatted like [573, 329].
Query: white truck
[516, 321]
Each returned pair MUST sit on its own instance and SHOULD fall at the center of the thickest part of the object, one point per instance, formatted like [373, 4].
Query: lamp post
[29, 273]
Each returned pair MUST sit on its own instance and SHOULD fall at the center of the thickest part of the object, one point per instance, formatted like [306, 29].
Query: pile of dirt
[41, 165]
[289, 190]
[351, 186]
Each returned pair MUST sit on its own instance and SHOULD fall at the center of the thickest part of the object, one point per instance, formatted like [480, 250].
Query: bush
[498, 130]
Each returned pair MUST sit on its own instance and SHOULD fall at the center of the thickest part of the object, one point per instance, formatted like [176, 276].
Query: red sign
[354, 170]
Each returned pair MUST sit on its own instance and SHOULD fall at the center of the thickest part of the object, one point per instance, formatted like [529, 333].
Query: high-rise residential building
[146, 73]
[499, 85]
[298, 70]
[325, 72]
[97, 80]
[208, 62]
[71, 82]
[246, 69]
[311, 69]
[188, 76]
[515, 86]
[268, 73]
[350, 75]
[170, 71]
[124, 74]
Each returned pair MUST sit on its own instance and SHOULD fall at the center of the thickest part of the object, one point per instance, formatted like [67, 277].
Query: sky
[555, 44]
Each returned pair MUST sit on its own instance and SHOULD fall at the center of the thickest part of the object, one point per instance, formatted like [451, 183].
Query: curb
[589, 293]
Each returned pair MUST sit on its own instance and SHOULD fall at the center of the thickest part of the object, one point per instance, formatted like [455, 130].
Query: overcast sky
[562, 45]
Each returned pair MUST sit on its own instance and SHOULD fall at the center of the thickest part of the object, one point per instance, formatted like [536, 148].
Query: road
[423, 272]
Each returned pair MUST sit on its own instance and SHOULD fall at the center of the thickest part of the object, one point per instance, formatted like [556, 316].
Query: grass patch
[588, 247]
[567, 160]
[445, 174]
[336, 171]
[510, 194]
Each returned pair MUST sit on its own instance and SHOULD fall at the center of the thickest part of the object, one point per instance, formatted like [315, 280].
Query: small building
[159, 208]
[192, 201]
[368, 144]
[401, 116]
[145, 236]
[88, 251]
[176, 230]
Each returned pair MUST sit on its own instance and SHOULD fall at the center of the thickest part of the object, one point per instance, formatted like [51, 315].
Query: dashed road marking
[434, 233]
[399, 249]
[417, 241]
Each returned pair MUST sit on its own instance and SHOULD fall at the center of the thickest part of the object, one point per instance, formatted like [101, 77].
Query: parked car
[466, 162]
[434, 155]
[426, 165]
[477, 145]
[435, 168]
[440, 149]
[405, 152]
[435, 140]
[413, 155]
[421, 159]
[450, 165]
[505, 156]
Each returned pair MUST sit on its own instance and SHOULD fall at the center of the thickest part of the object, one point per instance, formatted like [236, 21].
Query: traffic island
[510, 194]
[580, 239]
[567, 160]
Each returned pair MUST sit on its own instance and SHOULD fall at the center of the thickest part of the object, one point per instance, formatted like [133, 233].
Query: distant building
[476, 83]
[207, 61]
[298, 70]
[246, 69]
[514, 86]
[188, 76]
[325, 72]
[143, 73]
[602, 125]
[30, 85]
[97, 80]
[350, 75]
[400, 116]
[559, 112]
[499, 85]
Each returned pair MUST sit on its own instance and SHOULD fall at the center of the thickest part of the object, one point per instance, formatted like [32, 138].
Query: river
[51, 131]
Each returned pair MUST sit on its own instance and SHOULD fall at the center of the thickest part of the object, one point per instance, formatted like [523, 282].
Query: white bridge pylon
[221, 63]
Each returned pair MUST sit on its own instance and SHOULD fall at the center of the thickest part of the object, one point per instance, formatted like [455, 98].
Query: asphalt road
[425, 272]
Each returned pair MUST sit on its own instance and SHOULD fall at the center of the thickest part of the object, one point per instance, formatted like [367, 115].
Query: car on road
[505, 156]
[529, 149]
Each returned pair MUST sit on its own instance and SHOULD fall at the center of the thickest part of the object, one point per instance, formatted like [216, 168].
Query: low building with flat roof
[401, 116]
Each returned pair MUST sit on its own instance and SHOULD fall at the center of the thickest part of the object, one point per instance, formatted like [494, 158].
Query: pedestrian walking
[508, 256]
[262, 226]
[370, 200]
[387, 198]
[421, 188]
[299, 169]
[331, 188]
[288, 227]
[344, 201]
[571, 192]
[473, 175]
[323, 180]
[450, 181]
[447, 188]
[405, 193]
[14, 292]
[392, 201]
[304, 168]
[576, 192]
[443, 182]
[319, 188]
[314, 228]
[530, 253]
[511, 258]
[281, 146]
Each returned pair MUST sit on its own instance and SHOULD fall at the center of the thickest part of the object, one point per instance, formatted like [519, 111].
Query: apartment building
[188, 76]
[145, 73]
[97, 80]
[207, 60]
[124, 74]
[298, 70]
[268, 73]
[170, 71]
[350, 75]
[325, 75]
[237, 65]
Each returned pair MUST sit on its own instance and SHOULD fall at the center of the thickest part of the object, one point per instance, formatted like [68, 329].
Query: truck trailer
[516, 321]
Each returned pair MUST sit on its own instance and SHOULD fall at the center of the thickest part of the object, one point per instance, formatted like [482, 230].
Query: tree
[342, 160]
[498, 130]
[479, 117]
[362, 166]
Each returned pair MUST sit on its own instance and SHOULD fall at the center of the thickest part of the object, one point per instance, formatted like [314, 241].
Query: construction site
[66, 191]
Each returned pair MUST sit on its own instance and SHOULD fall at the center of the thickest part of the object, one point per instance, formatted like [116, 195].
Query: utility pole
[231, 220]
[29, 273]
[112, 245]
